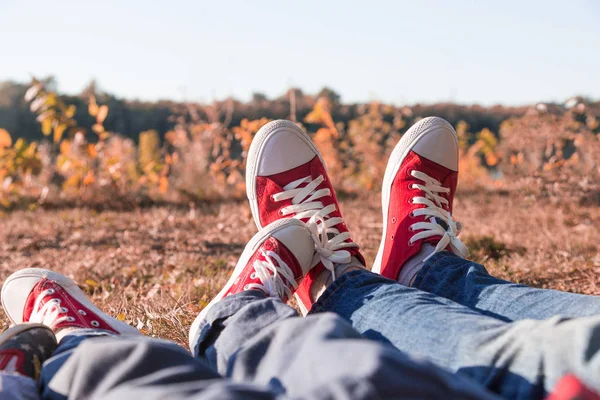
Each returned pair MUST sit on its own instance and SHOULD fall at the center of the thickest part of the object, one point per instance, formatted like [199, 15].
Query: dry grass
[158, 267]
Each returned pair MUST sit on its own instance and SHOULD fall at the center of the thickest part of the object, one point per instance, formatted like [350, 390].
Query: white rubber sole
[70, 287]
[404, 146]
[255, 153]
[248, 252]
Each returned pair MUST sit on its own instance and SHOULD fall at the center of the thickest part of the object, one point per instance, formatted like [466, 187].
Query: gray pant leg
[141, 368]
[250, 338]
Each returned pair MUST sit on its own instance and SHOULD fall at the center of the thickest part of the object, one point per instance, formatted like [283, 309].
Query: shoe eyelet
[412, 214]
[280, 213]
[51, 291]
[392, 237]
[56, 301]
[71, 319]
[410, 244]
[82, 312]
[272, 198]
[64, 310]
[253, 275]
[409, 172]
[393, 220]
[95, 324]
[247, 287]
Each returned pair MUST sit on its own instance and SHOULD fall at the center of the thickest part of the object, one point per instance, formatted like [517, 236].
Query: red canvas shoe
[286, 178]
[418, 190]
[274, 262]
[49, 298]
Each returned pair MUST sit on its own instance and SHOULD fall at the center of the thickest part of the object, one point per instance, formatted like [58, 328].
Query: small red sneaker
[49, 298]
[286, 178]
[418, 190]
[274, 262]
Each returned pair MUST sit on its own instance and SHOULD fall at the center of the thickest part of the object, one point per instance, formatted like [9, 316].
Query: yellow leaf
[102, 113]
[98, 128]
[92, 283]
[65, 147]
[163, 185]
[121, 317]
[47, 126]
[93, 107]
[70, 112]
[73, 181]
[92, 151]
[89, 178]
[58, 132]
[5, 139]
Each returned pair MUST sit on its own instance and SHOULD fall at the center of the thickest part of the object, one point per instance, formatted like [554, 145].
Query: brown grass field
[157, 267]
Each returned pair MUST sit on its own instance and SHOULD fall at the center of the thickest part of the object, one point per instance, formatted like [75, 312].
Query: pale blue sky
[510, 52]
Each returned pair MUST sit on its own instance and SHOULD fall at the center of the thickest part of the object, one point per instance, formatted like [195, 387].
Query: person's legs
[248, 334]
[250, 337]
[420, 235]
[469, 283]
[100, 365]
[523, 359]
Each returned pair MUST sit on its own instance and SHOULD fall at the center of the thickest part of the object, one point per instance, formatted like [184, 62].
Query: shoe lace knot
[329, 241]
[272, 276]
[439, 221]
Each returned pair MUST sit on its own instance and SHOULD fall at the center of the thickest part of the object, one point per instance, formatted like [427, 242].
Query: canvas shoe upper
[52, 299]
[273, 262]
[286, 178]
[417, 195]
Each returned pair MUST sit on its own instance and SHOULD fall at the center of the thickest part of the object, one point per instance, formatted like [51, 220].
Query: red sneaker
[286, 178]
[49, 298]
[418, 190]
[273, 262]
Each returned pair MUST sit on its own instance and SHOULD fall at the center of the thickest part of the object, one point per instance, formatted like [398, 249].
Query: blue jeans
[519, 356]
[469, 284]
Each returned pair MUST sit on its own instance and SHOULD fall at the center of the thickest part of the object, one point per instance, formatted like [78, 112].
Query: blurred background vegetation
[97, 150]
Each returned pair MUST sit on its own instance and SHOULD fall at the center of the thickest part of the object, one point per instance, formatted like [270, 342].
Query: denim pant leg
[518, 360]
[251, 338]
[469, 284]
[134, 367]
[13, 386]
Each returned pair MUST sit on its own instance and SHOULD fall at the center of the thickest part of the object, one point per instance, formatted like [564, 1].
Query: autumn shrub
[203, 158]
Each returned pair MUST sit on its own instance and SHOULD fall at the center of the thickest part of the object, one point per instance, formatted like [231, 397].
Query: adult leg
[523, 359]
[469, 284]
[252, 336]
[98, 365]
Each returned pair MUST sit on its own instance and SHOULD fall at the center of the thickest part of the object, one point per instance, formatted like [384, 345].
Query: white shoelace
[50, 313]
[270, 275]
[434, 202]
[305, 205]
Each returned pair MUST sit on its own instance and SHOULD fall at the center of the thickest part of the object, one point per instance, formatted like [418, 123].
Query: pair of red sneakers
[287, 182]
